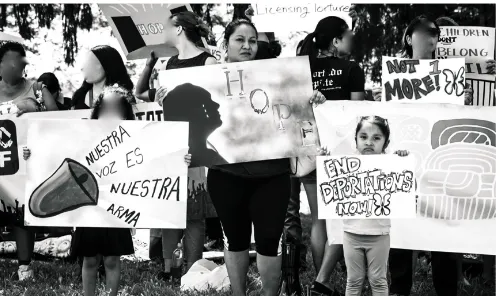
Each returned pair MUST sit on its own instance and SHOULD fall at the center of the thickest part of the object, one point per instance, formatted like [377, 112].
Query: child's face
[111, 107]
[370, 139]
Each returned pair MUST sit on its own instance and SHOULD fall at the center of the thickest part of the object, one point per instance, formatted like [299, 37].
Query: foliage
[379, 28]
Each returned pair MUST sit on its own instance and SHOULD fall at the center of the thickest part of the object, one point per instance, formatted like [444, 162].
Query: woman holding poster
[419, 42]
[338, 79]
[17, 94]
[251, 193]
[182, 31]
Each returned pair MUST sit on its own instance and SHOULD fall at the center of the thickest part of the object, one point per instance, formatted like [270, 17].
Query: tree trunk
[482, 15]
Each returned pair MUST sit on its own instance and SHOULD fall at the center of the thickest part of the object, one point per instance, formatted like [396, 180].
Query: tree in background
[75, 16]
[378, 31]
[380, 28]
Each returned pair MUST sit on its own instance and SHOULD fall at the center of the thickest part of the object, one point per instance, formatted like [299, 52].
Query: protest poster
[9, 37]
[242, 112]
[139, 27]
[12, 187]
[217, 53]
[455, 170]
[296, 16]
[107, 174]
[476, 45]
[423, 81]
[365, 187]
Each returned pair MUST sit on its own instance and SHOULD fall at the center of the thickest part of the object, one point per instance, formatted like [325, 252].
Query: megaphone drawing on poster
[106, 173]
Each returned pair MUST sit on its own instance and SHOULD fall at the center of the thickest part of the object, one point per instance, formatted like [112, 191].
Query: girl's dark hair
[407, 50]
[232, 26]
[191, 24]
[326, 30]
[114, 69]
[382, 124]
[51, 81]
[127, 100]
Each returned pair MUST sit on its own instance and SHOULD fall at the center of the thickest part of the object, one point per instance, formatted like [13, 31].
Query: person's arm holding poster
[491, 67]
[303, 165]
[357, 84]
[142, 90]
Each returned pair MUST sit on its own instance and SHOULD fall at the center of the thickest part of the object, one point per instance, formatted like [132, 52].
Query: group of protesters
[263, 193]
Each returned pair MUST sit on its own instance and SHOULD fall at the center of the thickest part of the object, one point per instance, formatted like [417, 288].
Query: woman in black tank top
[182, 31]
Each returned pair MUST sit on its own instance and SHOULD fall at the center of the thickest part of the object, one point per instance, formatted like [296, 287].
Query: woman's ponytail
[308, 47]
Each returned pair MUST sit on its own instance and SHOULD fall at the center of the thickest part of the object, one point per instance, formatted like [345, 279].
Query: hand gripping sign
[140, 27]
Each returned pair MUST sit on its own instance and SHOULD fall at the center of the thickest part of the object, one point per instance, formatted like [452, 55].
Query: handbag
[303, 165]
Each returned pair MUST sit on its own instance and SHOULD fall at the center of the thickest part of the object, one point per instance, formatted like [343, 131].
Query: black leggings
[241, 201]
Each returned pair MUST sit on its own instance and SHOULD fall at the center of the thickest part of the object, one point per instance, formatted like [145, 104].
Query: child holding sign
[115, 103]
[367, 240]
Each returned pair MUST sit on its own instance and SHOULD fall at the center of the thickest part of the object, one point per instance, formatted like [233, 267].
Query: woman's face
[12, 65]
[344, 45]
[112, 107]
[370, 139]
[424, 39]
[171, 32]
[242, 44]
[92, 70]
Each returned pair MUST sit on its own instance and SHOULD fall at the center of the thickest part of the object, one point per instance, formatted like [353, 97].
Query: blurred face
[112, 108]
[344, 44]
[92, 70]
[424, 39]
[242, 44]
[370, 139]
[12, 65]
[171, 32]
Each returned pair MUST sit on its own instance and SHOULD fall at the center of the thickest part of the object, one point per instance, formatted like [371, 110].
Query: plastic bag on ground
[205, 274]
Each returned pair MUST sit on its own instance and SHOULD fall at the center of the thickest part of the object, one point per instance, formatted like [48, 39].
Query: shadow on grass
[60, 278]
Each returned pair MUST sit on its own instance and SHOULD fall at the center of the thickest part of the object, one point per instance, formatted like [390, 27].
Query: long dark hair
[127, 100]
[326, 30]
[114, 69]
[193, 27]
[407, 50]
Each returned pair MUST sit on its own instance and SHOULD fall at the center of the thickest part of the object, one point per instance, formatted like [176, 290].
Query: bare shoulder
[210, 61]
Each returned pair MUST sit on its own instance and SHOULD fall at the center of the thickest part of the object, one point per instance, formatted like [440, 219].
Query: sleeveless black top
[176, 63]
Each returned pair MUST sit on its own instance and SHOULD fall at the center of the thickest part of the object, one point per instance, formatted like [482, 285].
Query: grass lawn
[59, 278]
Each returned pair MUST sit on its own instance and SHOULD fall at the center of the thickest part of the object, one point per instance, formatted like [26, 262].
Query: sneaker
[25, 272]
[164, 276]
[318, 289]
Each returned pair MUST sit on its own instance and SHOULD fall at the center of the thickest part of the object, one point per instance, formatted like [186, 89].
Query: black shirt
[336, 78]
[176, 63]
